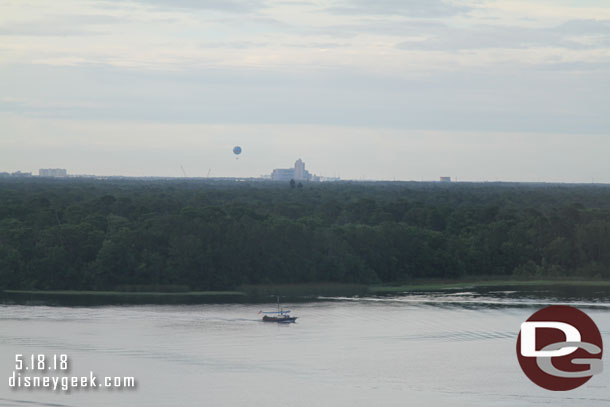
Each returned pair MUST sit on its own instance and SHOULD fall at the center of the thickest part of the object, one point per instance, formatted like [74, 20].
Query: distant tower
[299, 169]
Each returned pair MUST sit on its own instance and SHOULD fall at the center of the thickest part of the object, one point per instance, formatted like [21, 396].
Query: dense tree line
[126, 233]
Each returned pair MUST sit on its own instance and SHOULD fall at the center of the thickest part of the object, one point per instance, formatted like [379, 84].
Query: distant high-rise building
[445, 179]
[298, 173]
[299, 169]
[52, 172]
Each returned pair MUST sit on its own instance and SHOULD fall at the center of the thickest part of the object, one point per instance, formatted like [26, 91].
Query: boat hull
[279, 319]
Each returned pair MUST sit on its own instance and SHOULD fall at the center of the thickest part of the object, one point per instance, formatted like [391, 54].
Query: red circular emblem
[559, 348]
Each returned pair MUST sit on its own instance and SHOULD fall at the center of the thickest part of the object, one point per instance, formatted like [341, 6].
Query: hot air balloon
[236, 151]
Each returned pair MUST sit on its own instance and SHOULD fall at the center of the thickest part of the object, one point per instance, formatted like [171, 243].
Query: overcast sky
[515, 90]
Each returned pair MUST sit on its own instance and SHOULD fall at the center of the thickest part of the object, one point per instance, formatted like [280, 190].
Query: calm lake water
[428, 349]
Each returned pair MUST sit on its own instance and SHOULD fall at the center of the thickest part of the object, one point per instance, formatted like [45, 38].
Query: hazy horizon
[479, 90]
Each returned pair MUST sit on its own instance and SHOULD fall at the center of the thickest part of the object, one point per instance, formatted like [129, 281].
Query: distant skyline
[479, 90]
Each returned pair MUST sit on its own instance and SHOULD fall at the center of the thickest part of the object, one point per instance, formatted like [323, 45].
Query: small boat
[279, 318]
[280, 315]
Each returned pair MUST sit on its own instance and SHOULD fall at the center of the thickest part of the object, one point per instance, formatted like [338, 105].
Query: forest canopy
[88, 234]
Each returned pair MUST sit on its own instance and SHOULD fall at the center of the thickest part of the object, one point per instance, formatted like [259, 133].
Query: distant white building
[282, 174]
[16, 174]
[52, 172]
[298, 173]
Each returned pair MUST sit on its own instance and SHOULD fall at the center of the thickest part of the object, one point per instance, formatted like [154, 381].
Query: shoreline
[293, 292]
[431, 285]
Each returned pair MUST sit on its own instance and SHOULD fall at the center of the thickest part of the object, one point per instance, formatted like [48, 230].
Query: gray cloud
[67, 25]
[34, 31]
[521, 100]
[411, 8]
[321, 45]
[478, 38]
[586, 27]
[377, 26]
[580, 66]
[487, 36]
[228, 6]
[234, 44]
